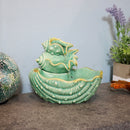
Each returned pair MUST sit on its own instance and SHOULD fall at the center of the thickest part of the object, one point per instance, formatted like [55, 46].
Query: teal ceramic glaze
[56, 46]
[58, 64]
[56, 81]
[9, 77]
[57, 58]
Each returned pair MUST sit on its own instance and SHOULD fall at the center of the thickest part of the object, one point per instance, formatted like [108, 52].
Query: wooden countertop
[106, 110]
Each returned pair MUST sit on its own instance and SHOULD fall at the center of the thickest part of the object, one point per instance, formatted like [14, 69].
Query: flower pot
[121, 72]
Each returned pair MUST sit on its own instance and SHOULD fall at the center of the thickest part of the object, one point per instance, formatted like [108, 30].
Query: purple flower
[118, 14]
[113, 11]
[121, 17]
[129, 20]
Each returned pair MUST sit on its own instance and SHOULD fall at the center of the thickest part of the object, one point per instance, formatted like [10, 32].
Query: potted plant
[120, 51]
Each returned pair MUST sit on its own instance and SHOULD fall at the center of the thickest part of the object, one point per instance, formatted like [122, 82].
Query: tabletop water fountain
[57, 81]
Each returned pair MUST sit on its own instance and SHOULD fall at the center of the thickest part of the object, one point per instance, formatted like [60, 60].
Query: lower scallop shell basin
[9, 77]
[66, 88]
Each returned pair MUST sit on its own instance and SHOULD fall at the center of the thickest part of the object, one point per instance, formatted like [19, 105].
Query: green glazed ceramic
[57, 58]
[9, 77]
[56, 81]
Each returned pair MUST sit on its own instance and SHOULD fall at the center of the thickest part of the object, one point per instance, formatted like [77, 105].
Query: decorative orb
[9, 77]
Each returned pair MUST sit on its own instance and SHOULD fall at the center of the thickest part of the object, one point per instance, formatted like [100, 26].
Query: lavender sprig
[118, 14]
[121, 17]
[129, 20]
[113, 11]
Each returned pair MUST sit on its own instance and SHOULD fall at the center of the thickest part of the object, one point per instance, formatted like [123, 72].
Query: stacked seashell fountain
[57, 81]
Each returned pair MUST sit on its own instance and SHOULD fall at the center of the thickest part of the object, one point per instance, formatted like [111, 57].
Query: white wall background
[25, 24]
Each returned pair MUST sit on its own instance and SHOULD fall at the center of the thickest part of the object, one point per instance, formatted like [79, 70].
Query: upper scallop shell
[56, 46]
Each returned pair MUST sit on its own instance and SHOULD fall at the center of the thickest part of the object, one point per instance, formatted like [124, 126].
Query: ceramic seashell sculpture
[57, 58]
[57, 81]
[9, 77]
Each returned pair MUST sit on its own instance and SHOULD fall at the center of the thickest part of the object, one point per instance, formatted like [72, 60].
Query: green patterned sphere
[9, 77]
